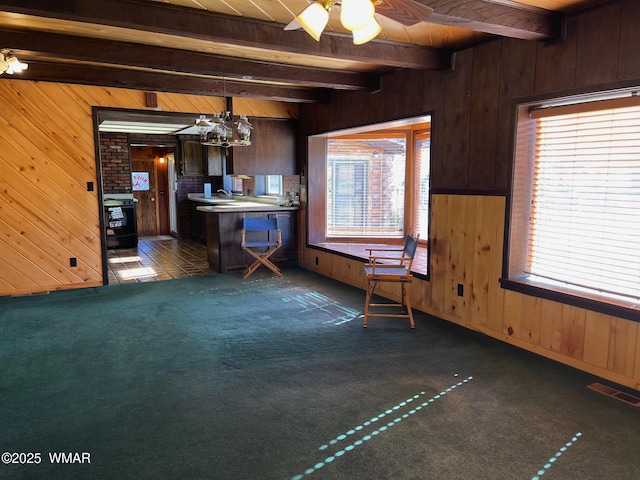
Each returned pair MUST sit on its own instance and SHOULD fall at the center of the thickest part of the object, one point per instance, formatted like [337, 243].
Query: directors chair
[263, 248]
[391, 265]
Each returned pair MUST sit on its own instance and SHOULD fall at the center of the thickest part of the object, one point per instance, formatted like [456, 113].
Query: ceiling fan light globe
[366, 33]
[355, 14]
[314, 19]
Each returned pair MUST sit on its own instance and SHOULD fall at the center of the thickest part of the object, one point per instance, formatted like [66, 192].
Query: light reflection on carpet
[553, 459]
[380, 429]
[331, 311]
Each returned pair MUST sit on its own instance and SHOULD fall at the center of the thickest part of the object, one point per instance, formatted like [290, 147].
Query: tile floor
[157, 258]
[165, 257]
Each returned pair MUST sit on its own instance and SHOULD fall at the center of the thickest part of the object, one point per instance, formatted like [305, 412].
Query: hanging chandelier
[357, 16]
[224, 130]
[10, 64]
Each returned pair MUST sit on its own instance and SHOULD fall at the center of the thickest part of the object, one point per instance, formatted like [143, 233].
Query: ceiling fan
[357, 16]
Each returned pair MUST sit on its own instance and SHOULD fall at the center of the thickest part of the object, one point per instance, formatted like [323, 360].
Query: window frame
[520, 198]
[316, 191]
[415, 200]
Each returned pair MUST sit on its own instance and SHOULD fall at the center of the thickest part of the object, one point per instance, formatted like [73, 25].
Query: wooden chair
[391, 265]
[263, 248]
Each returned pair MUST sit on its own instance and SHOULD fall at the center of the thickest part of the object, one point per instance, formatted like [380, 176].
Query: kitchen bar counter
[223, 233]
[236, 201]
[201, 206]
[244, 207]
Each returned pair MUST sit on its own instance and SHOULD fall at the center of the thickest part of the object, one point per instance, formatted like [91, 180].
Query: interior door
[144, 191]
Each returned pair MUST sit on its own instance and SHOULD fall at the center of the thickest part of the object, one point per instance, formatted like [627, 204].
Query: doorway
[153, 190]
[172, 172]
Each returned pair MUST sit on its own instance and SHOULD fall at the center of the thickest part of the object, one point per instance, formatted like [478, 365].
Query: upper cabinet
[192, 158]
[201, 160]
[272, 151]
[215, 157]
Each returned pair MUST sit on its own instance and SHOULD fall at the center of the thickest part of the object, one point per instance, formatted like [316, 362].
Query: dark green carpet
[222, 378]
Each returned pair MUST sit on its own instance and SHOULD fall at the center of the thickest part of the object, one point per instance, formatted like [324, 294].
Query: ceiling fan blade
[293, 25]
[406, 12]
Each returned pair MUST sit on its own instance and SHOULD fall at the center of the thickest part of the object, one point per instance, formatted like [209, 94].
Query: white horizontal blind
[273, 184]
[585, 218]
[365, 189]
[422, 157]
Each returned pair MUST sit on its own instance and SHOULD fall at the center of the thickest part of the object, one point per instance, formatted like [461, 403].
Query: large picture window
[575, 223]
[370, 185]
[365, 187]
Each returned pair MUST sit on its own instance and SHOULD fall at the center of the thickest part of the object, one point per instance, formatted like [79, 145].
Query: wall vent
[615, 393]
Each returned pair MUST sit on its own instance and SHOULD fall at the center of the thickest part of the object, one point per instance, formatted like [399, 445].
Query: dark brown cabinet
[215, 159]
[272, 150]
[201, 160]
[192, 158]
[198, 228]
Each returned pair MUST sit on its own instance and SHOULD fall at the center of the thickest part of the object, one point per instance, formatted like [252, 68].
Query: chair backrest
[260, 224]
[410, 248]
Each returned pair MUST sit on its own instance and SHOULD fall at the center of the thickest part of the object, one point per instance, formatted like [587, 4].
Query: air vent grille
[615, 393]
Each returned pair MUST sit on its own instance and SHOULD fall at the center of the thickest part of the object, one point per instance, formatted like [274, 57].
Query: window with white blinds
[365, 187]
[422, 160]
[584, 218]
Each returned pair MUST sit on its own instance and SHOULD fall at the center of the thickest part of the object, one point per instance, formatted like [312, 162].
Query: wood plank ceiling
[240, 48]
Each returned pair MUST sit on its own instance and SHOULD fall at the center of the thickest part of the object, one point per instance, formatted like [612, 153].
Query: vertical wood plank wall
[472, 110]
[467, 238]
[47, 156]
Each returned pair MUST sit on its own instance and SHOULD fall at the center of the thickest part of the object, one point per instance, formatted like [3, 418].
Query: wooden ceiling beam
[498, 17]
[229, 30]
[164, 82]
[28, 43]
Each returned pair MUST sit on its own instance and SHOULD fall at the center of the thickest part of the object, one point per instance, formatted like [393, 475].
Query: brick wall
[116, 163]
[186, 208]
[291, 183]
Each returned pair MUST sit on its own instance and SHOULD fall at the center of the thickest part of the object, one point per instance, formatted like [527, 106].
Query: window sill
[567, 296]
[358, 251]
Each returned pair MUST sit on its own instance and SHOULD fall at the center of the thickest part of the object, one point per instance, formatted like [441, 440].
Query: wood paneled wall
[467, 245]
[47, 157]
[473, 111]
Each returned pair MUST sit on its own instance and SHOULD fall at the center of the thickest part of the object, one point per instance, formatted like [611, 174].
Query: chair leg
[262, 259]
[371, 286]
[255, 265]
[406, 302]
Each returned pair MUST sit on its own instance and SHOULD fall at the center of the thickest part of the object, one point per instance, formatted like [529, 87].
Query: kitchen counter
[244, 207]
[216, 204]
[202, 207]
[223, 221]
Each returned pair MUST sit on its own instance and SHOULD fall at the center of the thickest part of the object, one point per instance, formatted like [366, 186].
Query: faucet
[228, 194]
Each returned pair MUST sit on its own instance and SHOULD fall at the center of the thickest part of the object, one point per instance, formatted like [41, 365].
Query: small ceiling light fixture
[10, 64]
[357, 16]
[219, 130]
